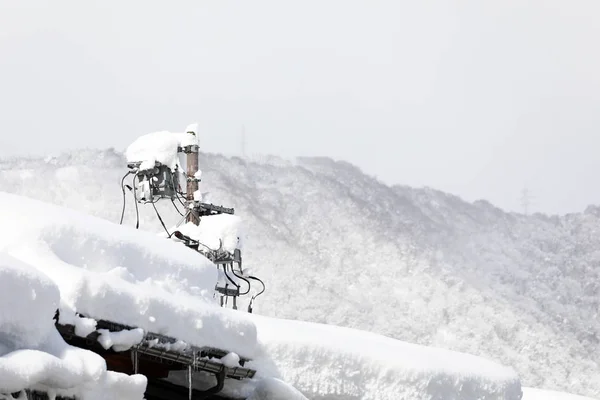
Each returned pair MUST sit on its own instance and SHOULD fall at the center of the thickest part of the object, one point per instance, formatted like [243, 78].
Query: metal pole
[192, 183]
[190, 388]
[135, 361]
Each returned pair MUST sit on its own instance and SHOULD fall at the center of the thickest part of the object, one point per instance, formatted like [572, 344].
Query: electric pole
[243, 144]
[525, 200]
[191, 152]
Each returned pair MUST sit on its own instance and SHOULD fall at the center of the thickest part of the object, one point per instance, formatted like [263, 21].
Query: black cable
[137, 211]
[244, 279]
[152, 201]
[205, 246]
[175, 205]
[174, 182]
[229, 278]
[261, 282]
[256, 295]
[124, 196]
[161, 220]
[178, 195]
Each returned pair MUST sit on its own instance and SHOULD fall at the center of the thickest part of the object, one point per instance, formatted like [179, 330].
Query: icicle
[190, 382]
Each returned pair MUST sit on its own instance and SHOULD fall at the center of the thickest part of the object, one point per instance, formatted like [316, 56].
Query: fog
[480, 99]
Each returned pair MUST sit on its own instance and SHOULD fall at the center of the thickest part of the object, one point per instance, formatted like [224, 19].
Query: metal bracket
[193, 148]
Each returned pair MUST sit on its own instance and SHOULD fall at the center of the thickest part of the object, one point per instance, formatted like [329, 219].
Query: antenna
[525, 200]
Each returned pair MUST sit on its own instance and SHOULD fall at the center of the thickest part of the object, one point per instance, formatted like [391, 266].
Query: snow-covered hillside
[339, 247]
[537, 394]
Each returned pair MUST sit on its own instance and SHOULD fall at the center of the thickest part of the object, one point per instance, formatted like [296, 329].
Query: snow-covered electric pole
[191, 152]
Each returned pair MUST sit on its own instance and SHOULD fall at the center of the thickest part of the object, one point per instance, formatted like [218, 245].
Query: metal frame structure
[153, 358]
[159, 182]
[154, 348]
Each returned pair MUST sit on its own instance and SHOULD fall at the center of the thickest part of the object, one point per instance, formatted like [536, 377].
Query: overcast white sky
[477, 98]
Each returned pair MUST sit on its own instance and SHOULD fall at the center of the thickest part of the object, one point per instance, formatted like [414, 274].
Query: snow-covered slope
[339, 247]
[54, 258]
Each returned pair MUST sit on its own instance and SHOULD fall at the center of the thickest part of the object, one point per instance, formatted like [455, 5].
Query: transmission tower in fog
[243, 142]
[526, 200]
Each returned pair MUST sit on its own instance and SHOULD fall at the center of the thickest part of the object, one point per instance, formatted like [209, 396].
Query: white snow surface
[275, 389]
[162, 147]
[122, 340]
[120, 274]
[193, 128]
[538, 394]
[231, 360]
[32, 353]
[83, 326]
[216, 230]
[21, 286]
[330, 362]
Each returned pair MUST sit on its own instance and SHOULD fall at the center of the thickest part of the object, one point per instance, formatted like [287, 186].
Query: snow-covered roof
[118, 273]
[32, 353]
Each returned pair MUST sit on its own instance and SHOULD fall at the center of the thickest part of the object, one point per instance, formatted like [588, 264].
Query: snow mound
[162, 147]
[32, 353]
[328, 362]
[122, 340]
[22, 285]
[538, 394]
[216, 230]
[121, 274]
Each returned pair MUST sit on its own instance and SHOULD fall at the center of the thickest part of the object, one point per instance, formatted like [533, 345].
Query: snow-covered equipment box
[155, 182]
